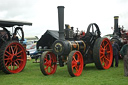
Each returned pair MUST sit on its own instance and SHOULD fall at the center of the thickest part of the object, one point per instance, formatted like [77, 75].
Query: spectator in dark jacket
[124, 54]
[115, 47]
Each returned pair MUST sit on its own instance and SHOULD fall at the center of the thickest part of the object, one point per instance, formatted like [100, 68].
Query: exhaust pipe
[61, 22]
[116, 30]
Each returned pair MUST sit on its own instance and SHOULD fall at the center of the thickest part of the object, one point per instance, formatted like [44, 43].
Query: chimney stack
[61, 22]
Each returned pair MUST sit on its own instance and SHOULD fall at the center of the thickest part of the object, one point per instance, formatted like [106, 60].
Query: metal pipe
[116, 30]
[61, 22]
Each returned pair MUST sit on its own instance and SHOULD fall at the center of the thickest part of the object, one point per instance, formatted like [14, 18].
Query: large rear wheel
[12, 57]
[102, 53]
[48, 63]
[75, 63]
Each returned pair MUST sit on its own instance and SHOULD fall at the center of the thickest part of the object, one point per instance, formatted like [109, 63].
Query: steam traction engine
[77, 50]
[12, 53]
[119, 35]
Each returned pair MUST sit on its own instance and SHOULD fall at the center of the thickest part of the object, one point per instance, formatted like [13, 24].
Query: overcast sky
[78, 13]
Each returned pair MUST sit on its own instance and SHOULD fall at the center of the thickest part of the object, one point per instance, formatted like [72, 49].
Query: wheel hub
[78, 63]
[14, 58]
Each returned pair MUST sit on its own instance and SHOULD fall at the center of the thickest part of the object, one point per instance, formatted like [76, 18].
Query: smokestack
[61, 22]
[116, 30]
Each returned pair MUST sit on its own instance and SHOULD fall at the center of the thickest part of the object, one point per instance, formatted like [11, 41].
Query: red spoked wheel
[13, 57]
[75, 63]
[48, 63]
[102, 53]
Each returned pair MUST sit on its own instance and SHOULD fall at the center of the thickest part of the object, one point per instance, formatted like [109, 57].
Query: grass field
[32, 75]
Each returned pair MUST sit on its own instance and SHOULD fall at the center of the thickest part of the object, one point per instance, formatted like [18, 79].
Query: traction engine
[76, 50]
[12, 52]
[120, 35]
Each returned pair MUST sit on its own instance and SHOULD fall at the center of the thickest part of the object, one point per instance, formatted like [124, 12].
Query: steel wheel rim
[14, 57]
[106, 53]
[77, 63]
[50, 63]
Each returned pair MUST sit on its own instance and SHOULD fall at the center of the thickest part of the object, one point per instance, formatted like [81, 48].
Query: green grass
[32, 75]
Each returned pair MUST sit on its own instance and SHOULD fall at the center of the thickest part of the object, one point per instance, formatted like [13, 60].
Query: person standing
[115, 53]
[15, 37]
[124, 54]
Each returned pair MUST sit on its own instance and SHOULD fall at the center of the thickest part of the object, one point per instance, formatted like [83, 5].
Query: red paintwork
[49, 66]
[106, 47]
[17, 64]
[77, 69]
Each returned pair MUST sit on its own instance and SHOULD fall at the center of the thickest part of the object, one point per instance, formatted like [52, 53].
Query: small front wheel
[75, 63]
[48, 63]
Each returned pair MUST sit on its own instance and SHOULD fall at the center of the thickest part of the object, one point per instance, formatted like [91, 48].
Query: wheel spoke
[15, 49]
[74, 63]
[101, 56]
[18, 56]
[6, 63]
[76, 69]
[78, 59]
[45, 63]
[107, 59]
[73, 66]
[8, 53]
[7, 59]
[19, 52]
[20, 59]
[101, 52]
[51, 68]
[106, 45]
[101, 47]
[74, 58]
[103, 44]
[46, 59]
[16, 64]
[12, 50]
[46, 68]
